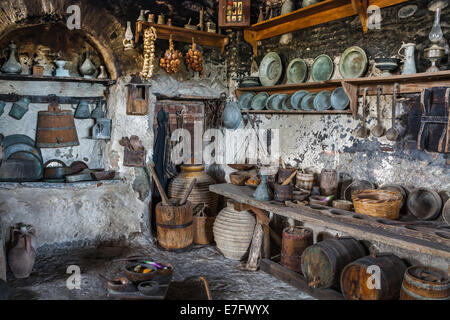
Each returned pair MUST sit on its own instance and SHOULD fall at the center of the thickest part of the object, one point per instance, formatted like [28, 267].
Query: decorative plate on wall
[297, 97]
[259, 101]
[269, 102]
[322, 68]
[353, 63]
[339, 99]
[270, 69]
[277, 102]
[245, 100]
[307, 103]
[322, 100]
[297, 71]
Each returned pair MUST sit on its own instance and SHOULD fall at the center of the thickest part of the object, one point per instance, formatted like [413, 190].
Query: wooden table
[359, 226]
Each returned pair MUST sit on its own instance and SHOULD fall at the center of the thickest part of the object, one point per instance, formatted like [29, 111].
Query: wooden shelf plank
[23, 77]
[325, 112]
[298, 281]
[368, 228]
[207, 39]
[322, 12]
[408, 84]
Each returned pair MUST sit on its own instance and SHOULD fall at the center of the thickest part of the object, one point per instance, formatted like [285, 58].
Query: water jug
[409, 64]
[102, 129]
[19, 108]
[82, 111]
[12, 66]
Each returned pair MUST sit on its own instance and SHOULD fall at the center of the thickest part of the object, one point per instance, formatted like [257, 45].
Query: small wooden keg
[174, 225]
[203, 228]
[357, 278]
[283, 193]
[425, 283]
[323, 262]
[295, 241]
[56, 128]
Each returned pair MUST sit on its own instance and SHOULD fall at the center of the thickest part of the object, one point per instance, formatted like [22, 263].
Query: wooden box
[234, 14]
[137, 99]
[38, 70]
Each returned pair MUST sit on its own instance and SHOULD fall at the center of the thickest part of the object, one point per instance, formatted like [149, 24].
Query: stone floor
[226, 280]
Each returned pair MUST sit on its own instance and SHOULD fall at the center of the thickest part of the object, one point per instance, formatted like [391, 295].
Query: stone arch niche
[43, 23]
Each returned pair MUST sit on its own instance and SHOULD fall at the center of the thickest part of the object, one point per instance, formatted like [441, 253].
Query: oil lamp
[435, 52]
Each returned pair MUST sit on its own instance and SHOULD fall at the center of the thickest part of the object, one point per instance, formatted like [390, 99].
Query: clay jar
[329, 182]
[22, 255]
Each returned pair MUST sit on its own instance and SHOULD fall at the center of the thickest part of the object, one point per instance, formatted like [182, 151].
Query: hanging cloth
[159, 150]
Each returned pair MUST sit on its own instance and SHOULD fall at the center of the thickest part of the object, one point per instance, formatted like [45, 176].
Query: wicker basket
[377, 203]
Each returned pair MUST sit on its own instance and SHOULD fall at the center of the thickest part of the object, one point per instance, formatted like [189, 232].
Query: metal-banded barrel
[323, 262]
[295, 241]
[56, 128]
[425, 283]
[359, 278]
[174, 225]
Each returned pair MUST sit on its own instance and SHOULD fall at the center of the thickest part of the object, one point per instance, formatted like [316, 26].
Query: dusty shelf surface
[359, 226]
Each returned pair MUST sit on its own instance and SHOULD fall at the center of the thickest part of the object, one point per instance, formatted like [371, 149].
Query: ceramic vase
[12, 65]
[88, 69]
[263, 192]
[22, 255]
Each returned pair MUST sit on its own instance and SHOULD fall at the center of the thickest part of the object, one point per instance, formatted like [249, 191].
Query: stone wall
[320, 141]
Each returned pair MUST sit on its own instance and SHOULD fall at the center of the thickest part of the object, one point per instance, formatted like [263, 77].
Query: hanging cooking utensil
[392, 133]
[56, 172]
[362, 131]
[378, 130]
[82, 111]
[98, 112]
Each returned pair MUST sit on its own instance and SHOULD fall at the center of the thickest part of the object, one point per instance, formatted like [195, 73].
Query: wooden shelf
[391, 233]
[325, 112]
[24, 77]
[207, 39]
[322, 12]
[413, 83]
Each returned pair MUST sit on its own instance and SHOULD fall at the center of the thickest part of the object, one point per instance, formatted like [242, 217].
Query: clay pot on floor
[22, 255]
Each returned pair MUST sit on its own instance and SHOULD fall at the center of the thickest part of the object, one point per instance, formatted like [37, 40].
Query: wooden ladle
[392, 133]
[361, 132]
[378, 130]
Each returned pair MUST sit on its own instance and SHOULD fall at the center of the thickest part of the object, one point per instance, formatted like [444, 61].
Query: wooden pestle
[164, 198]
[288, 180]
[188, 192]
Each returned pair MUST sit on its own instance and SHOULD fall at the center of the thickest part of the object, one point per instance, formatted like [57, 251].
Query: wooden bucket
[323, 262]
[295, 241]
[174, 225]
[56, 128]
[203, 228]
[284, 174]
[304, 181]
[425, 283]
[357, 280]
[378, 203]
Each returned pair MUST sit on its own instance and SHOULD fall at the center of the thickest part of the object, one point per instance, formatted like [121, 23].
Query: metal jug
[12, 65]
[98, 113]
[102, 129]
[19, 108]
[409, 64]
[82, 111]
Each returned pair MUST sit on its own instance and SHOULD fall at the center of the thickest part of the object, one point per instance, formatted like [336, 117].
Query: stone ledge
[62, 186]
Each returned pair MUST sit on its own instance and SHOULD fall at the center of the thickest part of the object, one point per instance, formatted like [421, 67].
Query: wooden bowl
[241, 167]
[138, 277]
[103, 175]
[300, 195]
[119, 284]
[148, 287]
[165, 272]
[319, 200]
[238, 178]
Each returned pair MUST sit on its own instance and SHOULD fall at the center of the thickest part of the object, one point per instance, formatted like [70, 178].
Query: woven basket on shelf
[377, 203]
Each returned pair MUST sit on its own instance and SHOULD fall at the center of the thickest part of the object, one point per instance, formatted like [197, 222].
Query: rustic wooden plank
[24, 77]
[50, 98]
[255, 248]
[363, 227]
[297, 280]
[208, 39]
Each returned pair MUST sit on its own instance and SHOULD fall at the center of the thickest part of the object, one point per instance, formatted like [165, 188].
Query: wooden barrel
[203, 228]
[56, 128]
[295, 241]
[323, 262]
[358, 278]
[425, 283]
[174, 225]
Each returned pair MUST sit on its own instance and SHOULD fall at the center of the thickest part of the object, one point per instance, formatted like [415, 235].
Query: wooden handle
[164, 198]
[288, 180]
[282, 163]
[188, 192]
